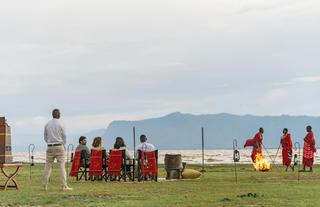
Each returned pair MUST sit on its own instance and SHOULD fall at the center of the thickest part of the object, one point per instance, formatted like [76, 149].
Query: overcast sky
[100, 61]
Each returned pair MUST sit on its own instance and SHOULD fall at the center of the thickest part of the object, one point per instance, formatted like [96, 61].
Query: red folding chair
[148, 165]
[98, 164]
[95, 163]
[79, 165]
[117, 168]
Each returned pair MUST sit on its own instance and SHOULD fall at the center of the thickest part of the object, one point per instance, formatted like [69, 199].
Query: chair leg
[133, 169]
[81, 175]
[139, 173]
[105, 175]
[105, 178]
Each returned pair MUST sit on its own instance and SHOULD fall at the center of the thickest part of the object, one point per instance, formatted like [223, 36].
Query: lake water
[212, 157]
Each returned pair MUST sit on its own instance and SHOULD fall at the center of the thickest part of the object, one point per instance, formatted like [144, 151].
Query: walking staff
[274, 159]
[267, 152]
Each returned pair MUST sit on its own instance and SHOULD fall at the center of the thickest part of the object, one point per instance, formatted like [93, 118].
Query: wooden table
[10, 177]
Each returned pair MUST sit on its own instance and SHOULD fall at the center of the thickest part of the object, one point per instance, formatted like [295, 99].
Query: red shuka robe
[309, 149]
[286, 150]
[256, 142]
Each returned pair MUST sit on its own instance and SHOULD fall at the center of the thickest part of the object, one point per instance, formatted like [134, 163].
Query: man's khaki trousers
[55, 152]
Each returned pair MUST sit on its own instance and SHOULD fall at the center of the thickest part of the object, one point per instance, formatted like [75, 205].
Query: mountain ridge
[183, 130]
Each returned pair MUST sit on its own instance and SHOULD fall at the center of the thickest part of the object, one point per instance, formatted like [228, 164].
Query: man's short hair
[143, 138]
[55, 113]
[309, 127]
[261, 129]
[82, 138]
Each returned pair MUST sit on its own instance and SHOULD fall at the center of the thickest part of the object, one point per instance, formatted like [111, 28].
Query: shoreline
[212, 157]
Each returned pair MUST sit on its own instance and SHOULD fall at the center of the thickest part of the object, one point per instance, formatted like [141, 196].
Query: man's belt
[53, 145]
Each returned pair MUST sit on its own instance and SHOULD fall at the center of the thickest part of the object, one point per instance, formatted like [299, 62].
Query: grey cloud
[137, 57]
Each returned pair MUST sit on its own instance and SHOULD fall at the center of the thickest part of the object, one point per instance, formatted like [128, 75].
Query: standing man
[256, 142]
[308, 150]
[144, 146]
[286, 148]
[56, 139]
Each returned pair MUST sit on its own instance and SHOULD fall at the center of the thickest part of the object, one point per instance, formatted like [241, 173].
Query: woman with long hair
[121, 145]
[97, 144]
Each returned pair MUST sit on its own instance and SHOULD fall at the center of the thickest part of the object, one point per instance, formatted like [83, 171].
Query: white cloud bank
[309, 79]
[103, 60]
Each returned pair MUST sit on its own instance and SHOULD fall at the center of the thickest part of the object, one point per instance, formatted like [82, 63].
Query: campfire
[261, 163]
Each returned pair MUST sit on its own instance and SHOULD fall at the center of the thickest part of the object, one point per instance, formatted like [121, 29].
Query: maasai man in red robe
[309, 149]
[286, 148]
[256, 142]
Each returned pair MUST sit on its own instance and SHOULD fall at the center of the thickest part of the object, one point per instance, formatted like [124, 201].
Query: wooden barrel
[5, 142]
[173, 166]
[173, 162]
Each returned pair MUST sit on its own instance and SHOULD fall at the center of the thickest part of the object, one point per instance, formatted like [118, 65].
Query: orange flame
[261, 163]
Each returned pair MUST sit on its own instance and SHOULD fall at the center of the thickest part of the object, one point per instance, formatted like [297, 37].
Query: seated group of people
[118, 145]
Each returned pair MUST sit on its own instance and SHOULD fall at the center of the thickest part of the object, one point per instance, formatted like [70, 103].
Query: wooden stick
[267, 152]
[134, 142]
[276, 154]
[202, 132]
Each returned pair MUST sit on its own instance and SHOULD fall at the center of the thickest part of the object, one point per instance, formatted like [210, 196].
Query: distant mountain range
[183, 131]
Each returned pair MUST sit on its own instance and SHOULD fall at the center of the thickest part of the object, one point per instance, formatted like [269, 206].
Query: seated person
[144, 146]
[82, 146]
[97, 145]
[120, 145]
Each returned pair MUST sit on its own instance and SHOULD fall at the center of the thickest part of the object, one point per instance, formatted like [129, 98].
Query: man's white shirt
[145, 147]
[54, 132]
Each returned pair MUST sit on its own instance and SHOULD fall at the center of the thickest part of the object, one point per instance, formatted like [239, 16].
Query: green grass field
[216, 187]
